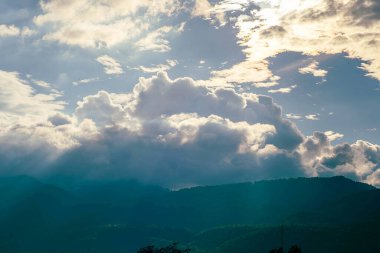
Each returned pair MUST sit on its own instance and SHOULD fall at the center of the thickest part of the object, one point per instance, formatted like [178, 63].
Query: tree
[173, 248]
[295, 249]
[279, 250]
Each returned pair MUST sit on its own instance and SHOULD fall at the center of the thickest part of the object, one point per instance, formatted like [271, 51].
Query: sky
[190, 92]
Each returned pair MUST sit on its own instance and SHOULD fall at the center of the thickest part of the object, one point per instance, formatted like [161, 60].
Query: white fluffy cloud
[313, 69]
[12, 30]
[294, 116]
[177, 133]
[333, 136]
[312, 117]
[283, 90]
[100, 109]
[203, 8]
[111, 66]
[9, 30]
[171, 132]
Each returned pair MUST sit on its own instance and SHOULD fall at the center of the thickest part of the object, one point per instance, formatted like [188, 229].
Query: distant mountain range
[319, 214]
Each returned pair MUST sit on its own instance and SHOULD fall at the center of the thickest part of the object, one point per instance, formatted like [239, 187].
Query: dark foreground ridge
[318, 214]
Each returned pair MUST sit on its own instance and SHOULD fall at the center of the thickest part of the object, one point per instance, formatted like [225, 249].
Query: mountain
[122, 216]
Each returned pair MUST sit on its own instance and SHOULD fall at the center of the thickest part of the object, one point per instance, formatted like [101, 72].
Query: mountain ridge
[126, 215]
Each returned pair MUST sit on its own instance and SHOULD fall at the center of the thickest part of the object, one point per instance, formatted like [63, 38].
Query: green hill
[319, 214]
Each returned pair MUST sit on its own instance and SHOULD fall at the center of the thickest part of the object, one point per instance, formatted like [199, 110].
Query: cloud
[312, 117]
[12, 30]
[364, 13]
[313, 68]
[293, 116]
[100, 109]
[33, 148]
[41, 83]
[157, 68]
[155, 41]
[254, 72]
[333, 136]
[202, 8]
[111, 66]
[179, 150]
[60, 119]
[19, 98]
[85, 81]
[308, 27]
[218, 12]
[27, 32]
[9, 30]
[90, 35]
[359, 161]
[92, 25]
[178, 133]
[162, 96]
[145, 135]
[283, 90]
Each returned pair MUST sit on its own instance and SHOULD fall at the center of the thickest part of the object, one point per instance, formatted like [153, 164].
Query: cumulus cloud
[100, 109]
[177, 133]
[359, 161]
[111, 66]
[157, 133]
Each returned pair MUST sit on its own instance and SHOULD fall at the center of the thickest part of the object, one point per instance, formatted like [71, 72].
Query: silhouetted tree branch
[293, 249]
[173, 248]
